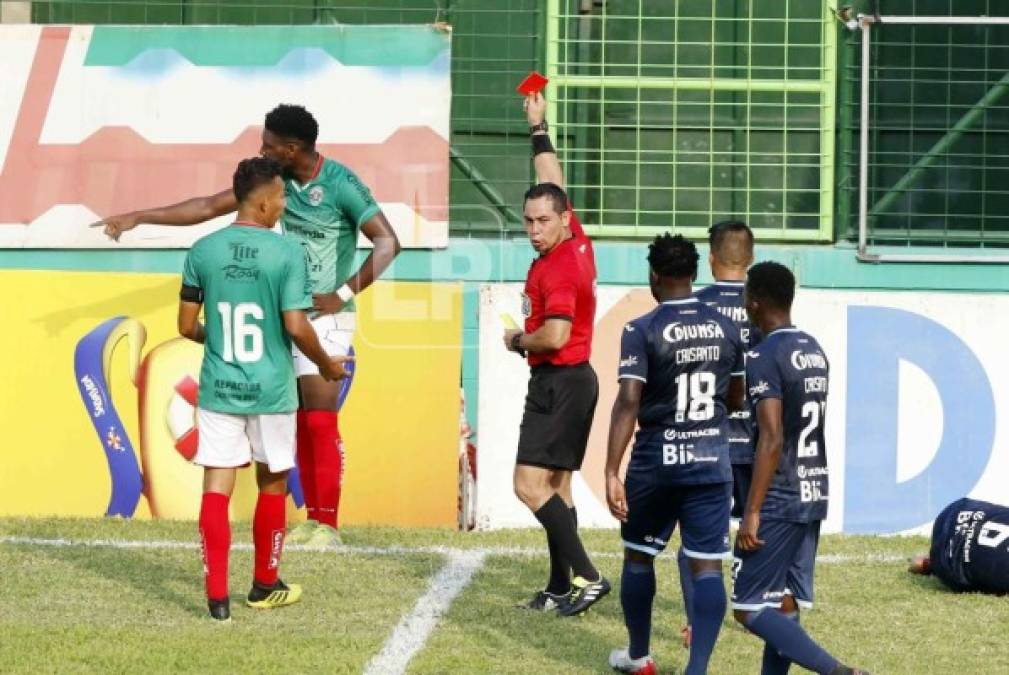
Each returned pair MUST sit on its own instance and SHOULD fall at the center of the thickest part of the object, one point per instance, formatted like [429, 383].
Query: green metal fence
[494, 45]
[939, 129]
[670, 114]
[678, 114]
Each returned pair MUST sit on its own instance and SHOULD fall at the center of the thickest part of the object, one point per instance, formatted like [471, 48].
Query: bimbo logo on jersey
[675, 332]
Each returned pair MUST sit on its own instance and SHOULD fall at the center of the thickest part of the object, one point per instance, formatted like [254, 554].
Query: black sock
[556, 519]
[560, 571]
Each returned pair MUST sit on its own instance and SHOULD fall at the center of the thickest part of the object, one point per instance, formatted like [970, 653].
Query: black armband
[541, 143]
[191, 294]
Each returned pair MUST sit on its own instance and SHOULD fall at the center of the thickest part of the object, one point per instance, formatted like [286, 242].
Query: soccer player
[681, 368]
[560, 306]
[254, 284]
[970, 547]
[787, 382]
[730, 245]
[326, 206]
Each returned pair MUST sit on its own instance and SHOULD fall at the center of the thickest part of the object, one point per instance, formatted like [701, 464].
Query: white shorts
[228, 441]
[335, 333]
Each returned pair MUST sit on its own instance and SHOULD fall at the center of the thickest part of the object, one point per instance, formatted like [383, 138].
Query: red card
[533, 84]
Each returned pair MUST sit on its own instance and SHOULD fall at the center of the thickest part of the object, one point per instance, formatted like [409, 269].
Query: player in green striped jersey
[327, 205]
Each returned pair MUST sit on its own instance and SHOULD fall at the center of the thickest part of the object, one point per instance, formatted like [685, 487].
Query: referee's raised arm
[548, 167]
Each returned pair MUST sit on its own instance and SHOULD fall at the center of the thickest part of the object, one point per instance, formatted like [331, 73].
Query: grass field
[71, 607]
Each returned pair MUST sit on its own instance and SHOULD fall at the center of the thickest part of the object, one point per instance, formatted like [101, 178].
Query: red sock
[215, 531]
[327, 451]
[268, 534]
[306, 466]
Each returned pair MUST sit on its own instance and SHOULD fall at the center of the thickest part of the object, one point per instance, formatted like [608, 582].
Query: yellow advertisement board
[75, 446]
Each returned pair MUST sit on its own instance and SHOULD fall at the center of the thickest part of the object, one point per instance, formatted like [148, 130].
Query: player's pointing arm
[190, 212]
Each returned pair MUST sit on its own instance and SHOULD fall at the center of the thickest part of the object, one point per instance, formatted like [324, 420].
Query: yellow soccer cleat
[323, 537]
[302, 533]
[272, 597]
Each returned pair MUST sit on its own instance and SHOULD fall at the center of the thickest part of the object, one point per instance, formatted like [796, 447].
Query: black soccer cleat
[583, 594]
[220, 610]
[543, 602]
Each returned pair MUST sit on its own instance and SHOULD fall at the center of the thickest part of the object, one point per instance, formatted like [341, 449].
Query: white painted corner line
[413, 630]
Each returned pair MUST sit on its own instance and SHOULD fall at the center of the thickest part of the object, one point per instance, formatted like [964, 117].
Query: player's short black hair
[673, 257]
[251, 173]
[293, 121]
[731, 242]
[558, 197]
[772, 283]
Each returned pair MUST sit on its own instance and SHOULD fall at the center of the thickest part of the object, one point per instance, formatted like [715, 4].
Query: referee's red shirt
[562, 284]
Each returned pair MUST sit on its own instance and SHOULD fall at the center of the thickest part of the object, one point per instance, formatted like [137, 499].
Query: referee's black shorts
[558, 416]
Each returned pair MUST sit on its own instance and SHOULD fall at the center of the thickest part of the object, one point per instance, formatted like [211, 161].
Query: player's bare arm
[920, 564]
[298, 327]
[765, 462]
[190, 212]
[189, 321]
[551, 336]
[386, 247]
[737, 394]
[623, 420]
[547, 165]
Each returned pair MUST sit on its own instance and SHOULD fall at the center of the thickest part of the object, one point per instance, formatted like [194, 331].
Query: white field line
[411, 633]
[518, 551]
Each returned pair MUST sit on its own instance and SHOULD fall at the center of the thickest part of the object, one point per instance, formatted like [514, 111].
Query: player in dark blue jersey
[787, 380]
[970, 547]
[731, 254]
[730, 246]
[680, 368]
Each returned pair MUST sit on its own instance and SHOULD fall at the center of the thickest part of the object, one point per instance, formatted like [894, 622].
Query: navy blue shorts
[654, 509]
[783, 566]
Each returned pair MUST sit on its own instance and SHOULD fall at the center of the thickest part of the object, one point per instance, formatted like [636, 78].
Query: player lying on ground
[970, 547]
[254, 284]
[680, 371]
[326, 205]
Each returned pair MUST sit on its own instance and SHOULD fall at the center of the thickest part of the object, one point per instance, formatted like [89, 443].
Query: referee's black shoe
[543, 602]
[583, 594]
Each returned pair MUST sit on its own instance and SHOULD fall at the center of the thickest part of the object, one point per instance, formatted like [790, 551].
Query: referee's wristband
[345, 293]
[541, 144]
[516, 339]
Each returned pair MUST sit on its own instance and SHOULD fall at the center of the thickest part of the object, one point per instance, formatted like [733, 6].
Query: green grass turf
[102, 609]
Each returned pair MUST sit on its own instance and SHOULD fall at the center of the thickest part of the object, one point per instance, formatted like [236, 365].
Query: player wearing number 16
[256, 288]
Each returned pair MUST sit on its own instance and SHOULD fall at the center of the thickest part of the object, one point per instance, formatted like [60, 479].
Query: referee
[560, 304]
